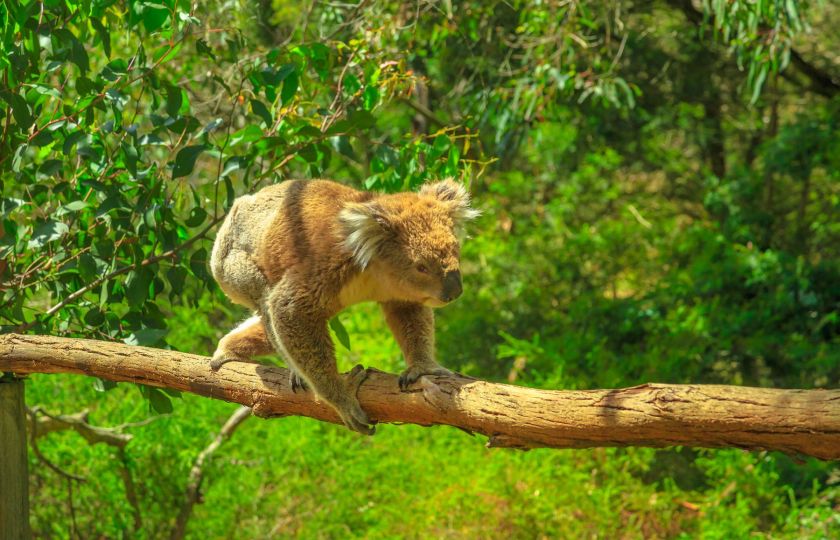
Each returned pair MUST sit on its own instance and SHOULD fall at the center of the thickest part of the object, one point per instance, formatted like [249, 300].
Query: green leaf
[103, 34]
[185, 160]
[234, 164]
[370, 97]
[103, 385]
[154, 16]
[283, 72]
[177, 276]
[17, 158]
[71, 140]
[174, 99]
[87, 267]
[361, 119]
[158, 401]
[249, 133]
[758, 84]
[340, 332]
[7, 205]
[20, 109]
[47, 232]
[309, 153]
[74, 206]
[290, 87]
[145, 337]
[85, 86]
[259, 108]
[94, 317]
[137, 287]
[230, 193]
[198, 263]
[197, 217]
[50, 167]
[171, 392]
[203, 48]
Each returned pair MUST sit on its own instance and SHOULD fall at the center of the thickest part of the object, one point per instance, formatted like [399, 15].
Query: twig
[192, 494]
[43, 459]
[130, 490]
[45, 423]
[99, 281]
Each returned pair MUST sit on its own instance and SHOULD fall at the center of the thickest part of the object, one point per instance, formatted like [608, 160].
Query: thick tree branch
[795, 421]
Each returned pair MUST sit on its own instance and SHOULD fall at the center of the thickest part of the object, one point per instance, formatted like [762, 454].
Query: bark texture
[14, 464]
[805, 422]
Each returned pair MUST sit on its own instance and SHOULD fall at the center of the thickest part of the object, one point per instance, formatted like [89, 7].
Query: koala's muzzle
[452, 288]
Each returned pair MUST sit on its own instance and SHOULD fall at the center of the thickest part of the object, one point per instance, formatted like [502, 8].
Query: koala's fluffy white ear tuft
[365, 230]
[454, 195]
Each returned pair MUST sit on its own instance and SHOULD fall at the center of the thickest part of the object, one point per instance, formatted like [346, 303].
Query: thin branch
[805, 422]
[425, 112]
[171, 254]
[821, 81]
[192, 494]
[44, 423]
[43, 459]
[130, 489]
[47, 423]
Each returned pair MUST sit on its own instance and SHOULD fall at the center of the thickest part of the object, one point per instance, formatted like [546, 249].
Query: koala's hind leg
[242, 344]
[413, 326]
[303, 340]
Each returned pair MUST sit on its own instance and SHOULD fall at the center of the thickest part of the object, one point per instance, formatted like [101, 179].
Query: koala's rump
[235, 251]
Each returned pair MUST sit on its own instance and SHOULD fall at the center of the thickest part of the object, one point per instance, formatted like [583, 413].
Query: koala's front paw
[221, 358]
[350, 410]
[413, 373]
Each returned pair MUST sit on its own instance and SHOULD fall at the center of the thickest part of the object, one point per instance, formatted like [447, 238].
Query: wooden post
[14, 466]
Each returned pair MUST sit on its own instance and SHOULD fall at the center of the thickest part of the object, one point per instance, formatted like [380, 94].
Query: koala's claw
[220, 359]
[352, 414]
[297, 382]
[413, 374]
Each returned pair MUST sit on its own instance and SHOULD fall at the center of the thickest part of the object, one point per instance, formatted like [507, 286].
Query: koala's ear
[366, 227]
[455, 196]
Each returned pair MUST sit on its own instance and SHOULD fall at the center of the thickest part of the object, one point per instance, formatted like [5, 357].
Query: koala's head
[414, 238]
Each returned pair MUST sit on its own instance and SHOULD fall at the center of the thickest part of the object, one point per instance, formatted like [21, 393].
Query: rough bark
[805, 422]
[14, 464]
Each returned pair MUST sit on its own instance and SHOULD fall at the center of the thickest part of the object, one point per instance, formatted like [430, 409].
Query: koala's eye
[422, 269]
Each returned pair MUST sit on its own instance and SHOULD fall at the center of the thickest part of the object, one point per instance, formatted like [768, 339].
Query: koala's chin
[433, 302]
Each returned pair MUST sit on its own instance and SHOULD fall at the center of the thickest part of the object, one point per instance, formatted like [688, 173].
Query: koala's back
[280, 227]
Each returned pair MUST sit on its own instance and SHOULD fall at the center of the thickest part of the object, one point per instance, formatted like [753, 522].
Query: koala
[298, 252]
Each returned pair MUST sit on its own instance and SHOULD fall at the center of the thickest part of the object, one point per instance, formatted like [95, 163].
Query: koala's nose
[452, 285]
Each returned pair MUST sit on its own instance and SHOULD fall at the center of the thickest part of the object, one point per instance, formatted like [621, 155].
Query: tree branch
[794, 421]
[170, 254]
[821, 81]
[44, 423]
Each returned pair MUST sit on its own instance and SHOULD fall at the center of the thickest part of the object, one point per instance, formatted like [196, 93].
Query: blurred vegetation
[659, 181]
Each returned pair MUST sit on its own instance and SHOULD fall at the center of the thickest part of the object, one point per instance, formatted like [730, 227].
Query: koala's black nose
[452, 286]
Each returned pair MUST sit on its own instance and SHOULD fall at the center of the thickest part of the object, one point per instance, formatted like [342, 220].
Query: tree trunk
[14, 464]
[794, 421]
